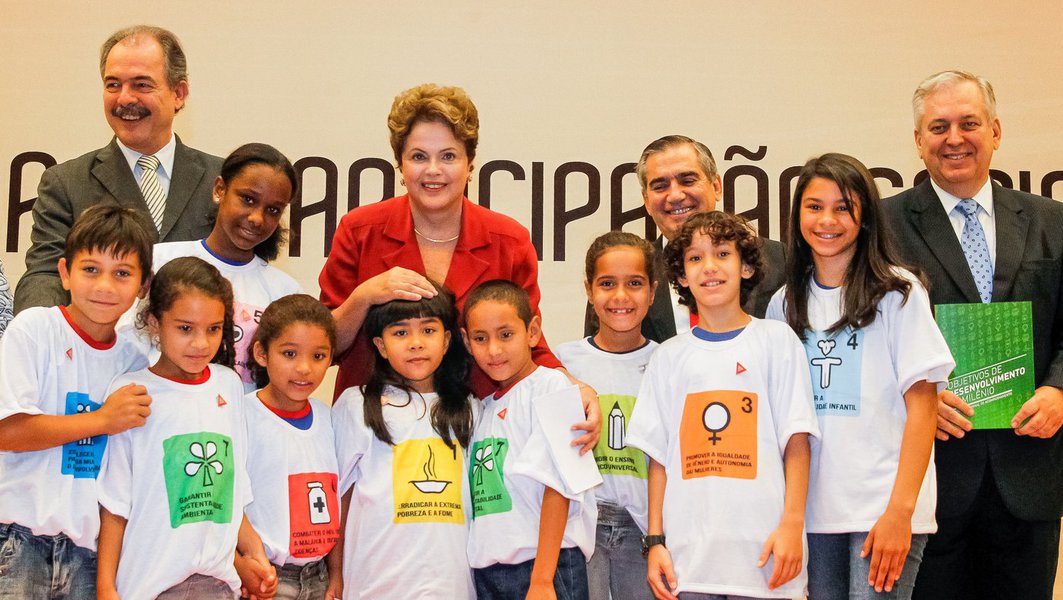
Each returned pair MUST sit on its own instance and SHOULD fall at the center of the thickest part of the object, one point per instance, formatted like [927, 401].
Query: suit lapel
[399, 229]
[466, 266]
[930, 220]
[1012, 224]
[661, 319]
[113, 173]
[187, 173]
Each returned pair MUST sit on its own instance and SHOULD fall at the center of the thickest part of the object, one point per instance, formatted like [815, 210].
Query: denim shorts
[505, 582]
[836, 570]
[199, 587]
[44, 566]
[617, 568]
[306, 582]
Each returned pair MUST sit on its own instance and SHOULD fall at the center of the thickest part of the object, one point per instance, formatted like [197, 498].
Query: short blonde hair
[429, 102]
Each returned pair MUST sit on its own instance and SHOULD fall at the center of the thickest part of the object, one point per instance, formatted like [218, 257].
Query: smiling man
[1000, 491]
[145, 167]
[679, 179]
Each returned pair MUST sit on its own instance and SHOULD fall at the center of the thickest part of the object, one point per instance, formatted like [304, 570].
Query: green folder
[993, 348]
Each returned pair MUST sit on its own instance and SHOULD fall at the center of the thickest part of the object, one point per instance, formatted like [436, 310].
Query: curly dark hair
[721, 227]
[282, 312]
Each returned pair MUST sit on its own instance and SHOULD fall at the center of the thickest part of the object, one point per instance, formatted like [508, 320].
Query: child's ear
[653, 290]
[219, 189]
[747, 271]
[535, 330]
[260, 354]
[587, 287]
[64, 274]
[379, 343]
[682, 279]
[153, 326]
[465, 339]
[145, 287]
[446, 340]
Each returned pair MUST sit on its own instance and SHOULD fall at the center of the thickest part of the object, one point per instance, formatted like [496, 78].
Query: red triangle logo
[739, 369]
[70, 353]
[221, 401]
[502, 414]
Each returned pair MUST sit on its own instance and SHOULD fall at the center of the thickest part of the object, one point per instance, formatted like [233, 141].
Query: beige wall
[591, 82]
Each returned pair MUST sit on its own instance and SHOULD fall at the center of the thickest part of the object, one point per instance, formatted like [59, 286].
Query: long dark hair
[871, 273]
[262, 154]
[282, 312]
[188, 274]
[452, 415]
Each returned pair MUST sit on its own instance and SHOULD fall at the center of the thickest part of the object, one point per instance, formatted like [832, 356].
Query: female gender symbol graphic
[716, 418]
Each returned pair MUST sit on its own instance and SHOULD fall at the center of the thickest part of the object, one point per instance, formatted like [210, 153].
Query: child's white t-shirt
[180, 481]
[858, 382]
[510, 466]
[407, 522]
[616, 377]
[255, 285]
[294, 480]
[718, 415]
[47, 367]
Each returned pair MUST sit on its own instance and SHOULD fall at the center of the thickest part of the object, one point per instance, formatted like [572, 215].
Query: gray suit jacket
[1029, 266]
[103, 176]
[659, 324]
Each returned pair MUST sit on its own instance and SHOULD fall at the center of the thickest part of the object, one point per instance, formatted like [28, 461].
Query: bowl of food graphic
[430, 486]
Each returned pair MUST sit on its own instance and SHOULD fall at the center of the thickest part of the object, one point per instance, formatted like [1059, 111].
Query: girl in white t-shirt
[401, 442]
[877, 362]
[172, 492]
[292, 458]
[620, 286]
[252, 192]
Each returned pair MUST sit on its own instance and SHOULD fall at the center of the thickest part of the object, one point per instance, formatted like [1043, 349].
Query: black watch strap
[649, 541]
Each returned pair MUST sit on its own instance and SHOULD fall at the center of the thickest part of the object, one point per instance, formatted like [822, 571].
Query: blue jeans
[505, 582]
[309, 582]
[699, 596]
[44, 566]
[617, 567]
[199, 587]
[836, 571]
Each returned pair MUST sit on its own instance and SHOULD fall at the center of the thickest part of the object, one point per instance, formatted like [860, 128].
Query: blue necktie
[976, 249]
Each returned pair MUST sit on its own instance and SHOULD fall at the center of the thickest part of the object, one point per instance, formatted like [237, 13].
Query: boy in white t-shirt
[724, 413]
[530, 535]
[55, 367]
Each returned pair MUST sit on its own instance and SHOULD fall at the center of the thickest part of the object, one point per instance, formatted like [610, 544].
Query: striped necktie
[151, 188]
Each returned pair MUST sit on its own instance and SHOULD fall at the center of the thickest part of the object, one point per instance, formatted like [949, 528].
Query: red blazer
[374, 238]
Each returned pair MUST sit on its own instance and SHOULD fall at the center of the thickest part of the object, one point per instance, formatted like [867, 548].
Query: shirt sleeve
[352, 437]
[536, 460]
[241, 441]
[21, 358]
[776, 311]
[114, 484]
[792, 408]
[339, 276]
[648, 430]
[917, 348]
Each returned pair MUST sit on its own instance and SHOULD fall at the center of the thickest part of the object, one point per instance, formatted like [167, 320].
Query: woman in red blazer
[384, 251]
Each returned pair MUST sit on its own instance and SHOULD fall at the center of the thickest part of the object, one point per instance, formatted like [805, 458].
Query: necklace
[435, 241]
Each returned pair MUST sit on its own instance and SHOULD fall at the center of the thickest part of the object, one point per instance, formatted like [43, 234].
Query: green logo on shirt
[612, 454]
[489, 493]
[199, 473]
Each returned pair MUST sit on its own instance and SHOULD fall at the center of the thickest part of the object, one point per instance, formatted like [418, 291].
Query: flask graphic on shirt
[616, 427]
[318, 504]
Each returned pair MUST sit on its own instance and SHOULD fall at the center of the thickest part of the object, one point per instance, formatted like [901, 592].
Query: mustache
[132, 110]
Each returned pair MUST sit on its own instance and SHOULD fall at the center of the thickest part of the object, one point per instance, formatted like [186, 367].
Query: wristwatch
[649, 541]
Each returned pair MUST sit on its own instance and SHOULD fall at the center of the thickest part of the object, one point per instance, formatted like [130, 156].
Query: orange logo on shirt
[70, 353]
[502, 413]
[739, 369]
[221, 401]
[718, 435]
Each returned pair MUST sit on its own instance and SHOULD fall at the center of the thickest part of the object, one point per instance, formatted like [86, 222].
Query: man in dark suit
[679, 179]
[1000, 492]
[145, 83]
